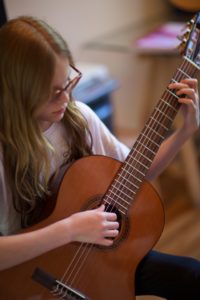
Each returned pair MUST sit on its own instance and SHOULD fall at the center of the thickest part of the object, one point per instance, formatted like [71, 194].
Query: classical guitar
[85, 271]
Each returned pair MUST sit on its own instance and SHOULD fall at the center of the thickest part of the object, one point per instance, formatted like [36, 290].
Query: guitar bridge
[57, 287]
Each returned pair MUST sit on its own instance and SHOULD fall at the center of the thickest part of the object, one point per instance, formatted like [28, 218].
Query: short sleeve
[104, 142]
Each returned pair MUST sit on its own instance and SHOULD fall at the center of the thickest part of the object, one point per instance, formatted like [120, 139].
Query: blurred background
[123, 80]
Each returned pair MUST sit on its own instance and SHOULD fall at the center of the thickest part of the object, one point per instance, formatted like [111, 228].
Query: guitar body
[100, 273]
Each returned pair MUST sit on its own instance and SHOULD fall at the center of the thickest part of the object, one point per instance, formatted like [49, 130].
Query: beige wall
[80, 21]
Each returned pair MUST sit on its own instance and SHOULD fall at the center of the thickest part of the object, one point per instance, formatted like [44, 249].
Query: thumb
[101, 207]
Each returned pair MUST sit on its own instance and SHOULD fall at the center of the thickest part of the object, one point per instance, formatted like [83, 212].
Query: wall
[80, 21]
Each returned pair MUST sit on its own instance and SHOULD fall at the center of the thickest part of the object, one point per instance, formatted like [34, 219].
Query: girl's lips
[58, 112]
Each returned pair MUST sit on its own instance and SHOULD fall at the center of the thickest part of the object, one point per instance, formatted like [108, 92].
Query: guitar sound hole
[122, 219]
[113, 209]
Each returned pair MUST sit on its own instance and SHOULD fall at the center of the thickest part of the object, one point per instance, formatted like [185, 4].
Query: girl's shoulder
[85, 110]
[94, 122]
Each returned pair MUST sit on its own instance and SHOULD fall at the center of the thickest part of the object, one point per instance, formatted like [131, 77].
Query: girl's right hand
[94, 226]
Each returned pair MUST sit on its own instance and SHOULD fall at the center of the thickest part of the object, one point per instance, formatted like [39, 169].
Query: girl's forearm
[19, 248]
[168, 150]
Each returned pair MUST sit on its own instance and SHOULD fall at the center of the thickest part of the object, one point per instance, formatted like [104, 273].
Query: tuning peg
[181, 46]
[191, 22]
[184, 36]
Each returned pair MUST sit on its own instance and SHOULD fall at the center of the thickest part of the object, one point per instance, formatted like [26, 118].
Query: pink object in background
[162, 39]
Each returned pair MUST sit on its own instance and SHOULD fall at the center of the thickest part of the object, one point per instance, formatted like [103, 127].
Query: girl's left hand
[187, 91]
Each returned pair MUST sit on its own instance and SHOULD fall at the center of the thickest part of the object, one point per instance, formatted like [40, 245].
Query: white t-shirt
[104, 143]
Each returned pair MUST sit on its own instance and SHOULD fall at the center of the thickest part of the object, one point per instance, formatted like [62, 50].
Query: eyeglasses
[73, 79]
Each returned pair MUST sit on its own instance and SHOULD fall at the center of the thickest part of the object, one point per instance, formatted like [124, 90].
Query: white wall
[80, 21]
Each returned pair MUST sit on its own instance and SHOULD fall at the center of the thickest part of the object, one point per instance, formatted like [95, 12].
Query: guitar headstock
[190, 46]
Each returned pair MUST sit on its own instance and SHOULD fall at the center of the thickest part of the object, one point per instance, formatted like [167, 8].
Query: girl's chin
[59, 114]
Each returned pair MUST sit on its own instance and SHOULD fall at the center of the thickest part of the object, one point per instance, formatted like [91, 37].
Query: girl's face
[53, 110]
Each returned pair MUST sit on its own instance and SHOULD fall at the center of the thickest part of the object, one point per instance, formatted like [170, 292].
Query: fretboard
[131, 174]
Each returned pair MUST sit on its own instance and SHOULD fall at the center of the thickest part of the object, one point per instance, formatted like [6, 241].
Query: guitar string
[178, 73]
[175, 80]
[87, 248]
[87, 244]
[151, 121]
[161, 116]
[79, 267]
[156, 119]
[150, 124]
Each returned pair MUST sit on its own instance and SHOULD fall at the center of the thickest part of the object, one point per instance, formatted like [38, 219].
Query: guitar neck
[133, 171]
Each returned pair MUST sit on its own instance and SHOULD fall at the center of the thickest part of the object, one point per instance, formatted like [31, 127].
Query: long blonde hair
[28, 49]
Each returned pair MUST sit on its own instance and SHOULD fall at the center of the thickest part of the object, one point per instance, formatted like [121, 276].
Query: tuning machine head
[184, 37]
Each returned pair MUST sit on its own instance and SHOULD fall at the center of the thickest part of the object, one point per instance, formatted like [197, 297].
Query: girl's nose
[64, 97]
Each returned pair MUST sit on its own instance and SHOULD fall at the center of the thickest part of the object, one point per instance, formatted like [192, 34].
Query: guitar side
[106, 273]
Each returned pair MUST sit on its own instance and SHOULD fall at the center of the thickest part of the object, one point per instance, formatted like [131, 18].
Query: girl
[42, 128]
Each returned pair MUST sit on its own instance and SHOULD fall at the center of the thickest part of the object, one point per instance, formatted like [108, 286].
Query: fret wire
[112, 198]
[165, 119]
[139, 174]
[191, 63]
[127, 180]
[171, 99]
[164, 114]
[146, 147]
[117, 184]
[159, 123]
[120, 200]
[126, 187]
[121, 191]
[147, 141]
[126, 170]
[157, 145]
[161, 111]
[161, 115]
[128, 194]
[165, 106]
[154, 131]
[108, 196]
[167, 103]
[130, 172]
[145, 152]
[174, 95]
[174, 81]
[106, 202]
[143, 155]
[149, 131]
[184, 73]
[139, 162]
[152, 138]
[133, 175]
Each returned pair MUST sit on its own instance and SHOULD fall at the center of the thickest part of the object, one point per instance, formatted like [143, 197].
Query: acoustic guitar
[84, 271]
